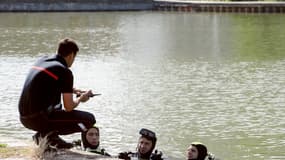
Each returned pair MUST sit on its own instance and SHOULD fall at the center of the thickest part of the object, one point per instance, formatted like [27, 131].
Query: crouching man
[40, 106]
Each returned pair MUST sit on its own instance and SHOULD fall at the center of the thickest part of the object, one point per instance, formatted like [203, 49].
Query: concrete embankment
[73, 5]
[135, 5]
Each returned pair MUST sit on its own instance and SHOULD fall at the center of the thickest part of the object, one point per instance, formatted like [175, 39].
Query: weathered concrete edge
[74, 5]
[118, 5]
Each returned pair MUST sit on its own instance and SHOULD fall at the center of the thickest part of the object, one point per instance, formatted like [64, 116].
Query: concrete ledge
[73, 5]
[136, 5]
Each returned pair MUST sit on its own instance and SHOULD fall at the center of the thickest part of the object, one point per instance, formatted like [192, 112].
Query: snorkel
[149, 135]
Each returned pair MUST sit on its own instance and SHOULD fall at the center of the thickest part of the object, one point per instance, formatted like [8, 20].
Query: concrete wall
[129, 5]
[74, 5]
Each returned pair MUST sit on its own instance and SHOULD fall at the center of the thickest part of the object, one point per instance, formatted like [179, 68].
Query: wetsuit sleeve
[67, 84]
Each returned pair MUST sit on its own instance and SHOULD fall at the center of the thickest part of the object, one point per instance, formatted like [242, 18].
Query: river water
[214, 78]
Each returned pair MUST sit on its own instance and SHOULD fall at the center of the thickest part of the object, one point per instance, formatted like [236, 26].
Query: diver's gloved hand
[76, 142]
[211, 156]
[105, 153]
[156, 155]
[124, 155]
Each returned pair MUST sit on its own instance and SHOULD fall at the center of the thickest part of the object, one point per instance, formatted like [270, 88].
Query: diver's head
[91, 138]
[196, 151]
[146, 144]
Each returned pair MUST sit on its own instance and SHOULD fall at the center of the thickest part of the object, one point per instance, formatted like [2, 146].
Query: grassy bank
[16, 152]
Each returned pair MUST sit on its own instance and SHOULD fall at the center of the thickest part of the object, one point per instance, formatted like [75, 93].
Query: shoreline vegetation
[18, 152]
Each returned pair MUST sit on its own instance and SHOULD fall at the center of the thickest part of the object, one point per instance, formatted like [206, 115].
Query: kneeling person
[48, 83]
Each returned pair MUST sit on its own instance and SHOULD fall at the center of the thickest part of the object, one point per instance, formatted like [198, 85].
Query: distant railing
[202, 6]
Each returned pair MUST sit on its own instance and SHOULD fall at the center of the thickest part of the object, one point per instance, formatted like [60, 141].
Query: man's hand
[77, 91]
[70, 103]
[124, 155]
[157, 155]
[85, 96]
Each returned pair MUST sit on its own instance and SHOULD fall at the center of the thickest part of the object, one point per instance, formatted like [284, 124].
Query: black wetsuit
[39, 104]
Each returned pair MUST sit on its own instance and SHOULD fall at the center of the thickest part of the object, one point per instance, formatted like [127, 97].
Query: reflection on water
[215, 78]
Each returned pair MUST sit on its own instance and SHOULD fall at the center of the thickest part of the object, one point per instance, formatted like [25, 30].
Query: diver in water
[90, 141]
[198, 151]
[145, 147]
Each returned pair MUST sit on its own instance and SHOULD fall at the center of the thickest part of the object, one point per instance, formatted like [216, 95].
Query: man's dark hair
[66, 47]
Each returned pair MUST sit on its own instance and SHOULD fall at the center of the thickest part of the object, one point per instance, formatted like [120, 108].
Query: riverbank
[34, 153]
[140, 5]
[19, 152]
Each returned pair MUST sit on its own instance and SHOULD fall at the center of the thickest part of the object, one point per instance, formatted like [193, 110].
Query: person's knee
[91, 120]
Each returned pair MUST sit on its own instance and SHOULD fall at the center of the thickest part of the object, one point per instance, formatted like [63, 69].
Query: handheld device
[92, 95]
